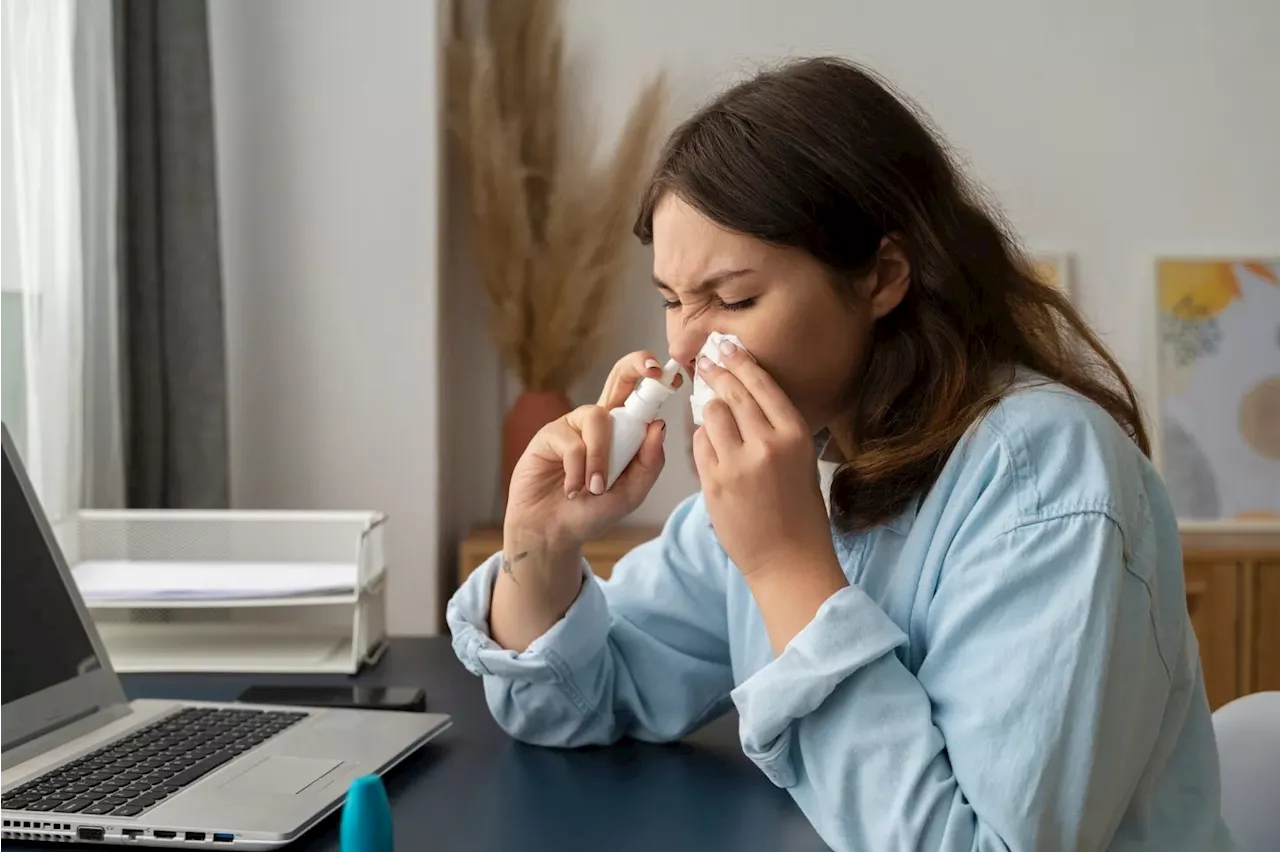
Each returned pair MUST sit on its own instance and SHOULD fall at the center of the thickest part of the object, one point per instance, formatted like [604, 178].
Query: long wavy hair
[821, 155]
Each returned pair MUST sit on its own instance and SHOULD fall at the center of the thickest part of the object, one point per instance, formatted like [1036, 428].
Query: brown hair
[820, 155]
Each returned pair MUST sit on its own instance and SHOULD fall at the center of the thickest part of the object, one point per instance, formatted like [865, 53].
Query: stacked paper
[107, 580]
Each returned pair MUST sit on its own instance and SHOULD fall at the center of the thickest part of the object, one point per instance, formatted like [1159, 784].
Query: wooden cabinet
[1233, 596]
[1213, 594]
[1265, 621]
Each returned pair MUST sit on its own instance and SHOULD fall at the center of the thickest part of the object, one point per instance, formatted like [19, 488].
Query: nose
[684, 342]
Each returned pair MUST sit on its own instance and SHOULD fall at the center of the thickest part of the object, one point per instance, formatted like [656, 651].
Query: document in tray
[110, 580]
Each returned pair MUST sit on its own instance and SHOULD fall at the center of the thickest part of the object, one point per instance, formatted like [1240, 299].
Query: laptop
[82, 763]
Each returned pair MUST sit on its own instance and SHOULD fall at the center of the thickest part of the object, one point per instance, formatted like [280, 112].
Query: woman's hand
[755, 457]
[557, 488]
[557, 502]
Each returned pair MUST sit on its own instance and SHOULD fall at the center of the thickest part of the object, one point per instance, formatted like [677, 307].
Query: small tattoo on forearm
[508, 562]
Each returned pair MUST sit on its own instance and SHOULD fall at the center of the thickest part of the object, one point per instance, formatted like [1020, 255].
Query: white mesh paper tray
[335, 631]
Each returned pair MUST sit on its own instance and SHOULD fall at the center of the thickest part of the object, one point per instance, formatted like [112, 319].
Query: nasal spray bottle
[631, 421]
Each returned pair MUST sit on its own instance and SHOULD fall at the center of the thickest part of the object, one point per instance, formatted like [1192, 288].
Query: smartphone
[404, 698]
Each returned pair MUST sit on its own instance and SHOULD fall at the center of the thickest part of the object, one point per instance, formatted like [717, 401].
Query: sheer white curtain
[45, 243]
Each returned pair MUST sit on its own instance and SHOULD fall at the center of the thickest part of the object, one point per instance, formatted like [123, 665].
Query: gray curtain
[173, 341]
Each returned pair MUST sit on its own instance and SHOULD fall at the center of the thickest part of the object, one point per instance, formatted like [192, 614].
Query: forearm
[1027, 723]
[789, 595]
[644, 655]
[538, 583]
[876, 773]
[839, 721]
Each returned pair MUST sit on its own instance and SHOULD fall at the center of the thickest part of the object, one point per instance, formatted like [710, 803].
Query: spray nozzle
[669, 373]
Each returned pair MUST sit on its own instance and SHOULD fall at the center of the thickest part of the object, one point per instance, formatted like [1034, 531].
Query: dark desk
[473, 788]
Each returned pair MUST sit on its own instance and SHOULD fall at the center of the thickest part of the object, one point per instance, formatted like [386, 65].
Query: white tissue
[702, 392]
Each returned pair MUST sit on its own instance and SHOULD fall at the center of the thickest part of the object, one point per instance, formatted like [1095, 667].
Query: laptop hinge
[56, 726]
[64, 731]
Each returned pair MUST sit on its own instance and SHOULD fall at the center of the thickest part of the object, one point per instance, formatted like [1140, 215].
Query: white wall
[328, 137]
[1111, 130]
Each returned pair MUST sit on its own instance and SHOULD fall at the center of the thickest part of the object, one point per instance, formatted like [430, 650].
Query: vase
[530, 412]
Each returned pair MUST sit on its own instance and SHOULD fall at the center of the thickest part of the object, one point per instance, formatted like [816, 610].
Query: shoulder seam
[1109, 516]
[1020, 475]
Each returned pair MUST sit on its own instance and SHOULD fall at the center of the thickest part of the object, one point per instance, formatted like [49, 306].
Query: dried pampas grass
[550, 232]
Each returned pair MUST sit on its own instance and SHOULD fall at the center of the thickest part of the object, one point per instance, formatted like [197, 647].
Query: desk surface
[473, 788]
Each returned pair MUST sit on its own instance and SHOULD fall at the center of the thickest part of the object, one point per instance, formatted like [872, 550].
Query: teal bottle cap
[366, 817]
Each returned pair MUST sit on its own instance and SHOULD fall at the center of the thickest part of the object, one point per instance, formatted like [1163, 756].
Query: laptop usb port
[132, 833]
[193, 835]
[223, 837]
[164, 835]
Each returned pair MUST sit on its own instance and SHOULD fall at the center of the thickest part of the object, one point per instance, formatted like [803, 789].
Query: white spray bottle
[632, 419]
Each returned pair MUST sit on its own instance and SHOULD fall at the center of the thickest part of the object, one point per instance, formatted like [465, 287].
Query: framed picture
[1218, 403]
[1053, 268]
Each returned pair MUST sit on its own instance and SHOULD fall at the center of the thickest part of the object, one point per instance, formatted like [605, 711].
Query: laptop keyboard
[128, 776]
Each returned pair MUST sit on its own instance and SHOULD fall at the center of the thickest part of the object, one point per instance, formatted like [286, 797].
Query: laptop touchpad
[282, 775]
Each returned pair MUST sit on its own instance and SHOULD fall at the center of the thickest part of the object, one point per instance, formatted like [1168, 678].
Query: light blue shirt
[1012, 666]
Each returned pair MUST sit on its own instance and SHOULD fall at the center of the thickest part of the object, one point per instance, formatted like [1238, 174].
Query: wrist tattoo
[508, 562]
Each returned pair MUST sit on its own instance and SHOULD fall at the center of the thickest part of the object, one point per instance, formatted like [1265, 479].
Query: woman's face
[779, 301]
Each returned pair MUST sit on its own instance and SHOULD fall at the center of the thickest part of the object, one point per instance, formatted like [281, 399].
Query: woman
[984, 643]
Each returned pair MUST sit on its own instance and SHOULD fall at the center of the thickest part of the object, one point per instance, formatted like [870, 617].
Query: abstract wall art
[1218, 336]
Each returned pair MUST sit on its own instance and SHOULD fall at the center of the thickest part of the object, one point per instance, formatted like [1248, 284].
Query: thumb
[643, 471]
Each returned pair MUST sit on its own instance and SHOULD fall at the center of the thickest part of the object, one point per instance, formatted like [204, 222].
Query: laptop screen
[44, 642]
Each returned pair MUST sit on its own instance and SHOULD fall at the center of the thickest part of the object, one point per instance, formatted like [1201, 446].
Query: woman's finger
[772, 401]
[594, 424]
[722, 431]
[627, 373]
[704, 455]
[751, 421]
[565, 442]
[624, 376]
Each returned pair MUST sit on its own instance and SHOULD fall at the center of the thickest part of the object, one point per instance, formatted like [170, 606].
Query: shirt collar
[825, 448]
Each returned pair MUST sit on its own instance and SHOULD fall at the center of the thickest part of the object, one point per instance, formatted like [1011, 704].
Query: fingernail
[727, 348]
[662, 425]
[597, 484]
[704, 363]
[652, 365]
[572, 495]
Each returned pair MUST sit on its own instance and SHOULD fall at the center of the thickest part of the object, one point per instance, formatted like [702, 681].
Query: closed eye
[740, 305]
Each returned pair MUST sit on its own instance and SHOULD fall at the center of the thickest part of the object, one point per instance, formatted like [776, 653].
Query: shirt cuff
[848, 632]
[567, 647]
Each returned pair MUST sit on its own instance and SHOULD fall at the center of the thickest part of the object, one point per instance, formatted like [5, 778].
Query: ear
[893, 276]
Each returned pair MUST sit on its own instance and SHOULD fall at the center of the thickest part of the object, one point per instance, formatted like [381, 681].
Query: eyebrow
[708, 283]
